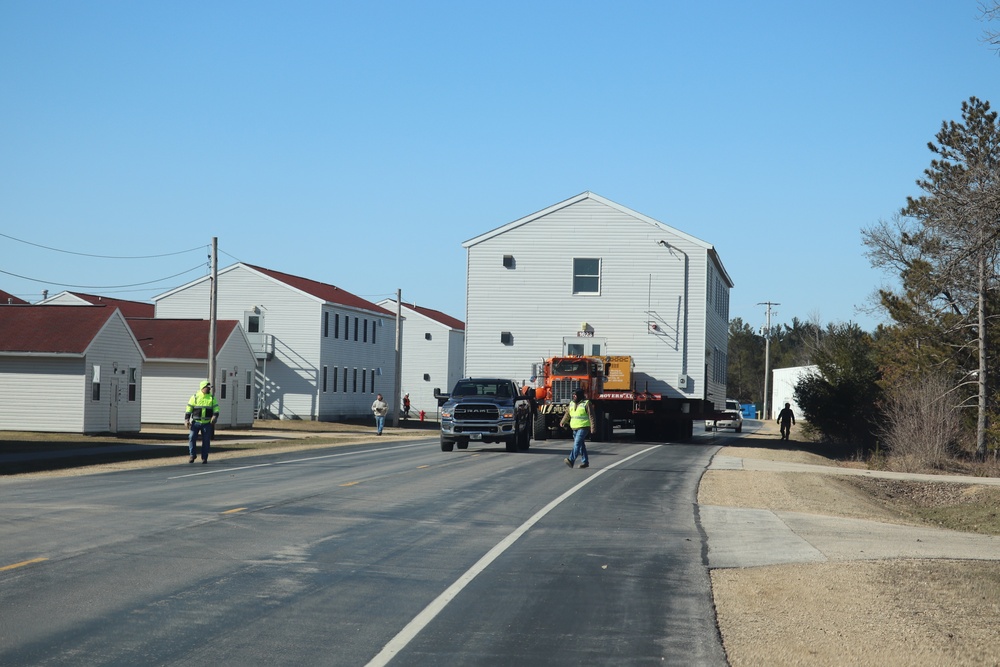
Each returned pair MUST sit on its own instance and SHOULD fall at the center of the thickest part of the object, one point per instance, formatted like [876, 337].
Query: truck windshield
[569, 367]
[499, 389]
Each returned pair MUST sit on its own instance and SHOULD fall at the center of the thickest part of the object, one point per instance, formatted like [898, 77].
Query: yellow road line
[422, 467]
[350, 484]
[22, 564]
[234, 511]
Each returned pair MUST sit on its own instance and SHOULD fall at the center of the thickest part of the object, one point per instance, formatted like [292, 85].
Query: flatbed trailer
[607, 383]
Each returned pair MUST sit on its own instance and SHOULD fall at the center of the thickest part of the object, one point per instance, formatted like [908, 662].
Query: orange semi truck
[608, 383]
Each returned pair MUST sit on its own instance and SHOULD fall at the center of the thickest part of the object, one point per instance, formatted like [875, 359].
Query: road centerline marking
[23, 563]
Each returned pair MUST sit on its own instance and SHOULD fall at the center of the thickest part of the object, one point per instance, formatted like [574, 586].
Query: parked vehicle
[485, 410]
[732, 417]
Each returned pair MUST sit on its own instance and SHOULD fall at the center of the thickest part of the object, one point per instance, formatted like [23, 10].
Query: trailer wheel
[540, 427]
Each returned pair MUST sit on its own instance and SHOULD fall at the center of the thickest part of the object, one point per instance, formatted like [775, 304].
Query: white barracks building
[590, 276]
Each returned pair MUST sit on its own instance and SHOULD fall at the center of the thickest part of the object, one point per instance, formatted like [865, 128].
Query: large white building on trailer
[322, 353]
[589, 276]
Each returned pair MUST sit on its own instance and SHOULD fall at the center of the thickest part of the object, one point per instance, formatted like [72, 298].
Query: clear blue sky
[359, 143]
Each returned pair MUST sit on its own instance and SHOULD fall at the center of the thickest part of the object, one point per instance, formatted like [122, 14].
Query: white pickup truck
[733, 418]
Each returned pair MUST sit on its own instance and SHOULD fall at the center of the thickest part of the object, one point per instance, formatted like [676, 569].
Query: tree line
[919, 388]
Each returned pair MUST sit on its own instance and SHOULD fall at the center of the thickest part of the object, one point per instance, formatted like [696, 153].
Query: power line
[102, 287]
[84, 254]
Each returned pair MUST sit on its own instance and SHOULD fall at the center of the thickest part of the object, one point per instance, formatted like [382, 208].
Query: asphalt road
[382, 553]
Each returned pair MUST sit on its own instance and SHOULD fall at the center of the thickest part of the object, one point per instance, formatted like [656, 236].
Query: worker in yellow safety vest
[579, 415]
[200, 416]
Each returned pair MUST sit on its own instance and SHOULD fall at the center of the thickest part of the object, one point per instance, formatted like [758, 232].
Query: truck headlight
[508, 415]
[446, 414]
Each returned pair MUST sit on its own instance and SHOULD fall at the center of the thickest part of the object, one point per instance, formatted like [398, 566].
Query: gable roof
[430, 313]
[607, 202]
[328, 293]
[51, 329]
[314, 288]
[6, 298]
[128, 308]
[179, 339]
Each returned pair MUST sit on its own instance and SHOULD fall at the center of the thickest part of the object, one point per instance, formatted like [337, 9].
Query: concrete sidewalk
[740, 537]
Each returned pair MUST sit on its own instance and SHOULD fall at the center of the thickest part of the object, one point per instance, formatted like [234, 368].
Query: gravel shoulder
[875, 612]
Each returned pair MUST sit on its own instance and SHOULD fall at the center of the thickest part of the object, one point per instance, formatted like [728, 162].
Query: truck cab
[485, 410]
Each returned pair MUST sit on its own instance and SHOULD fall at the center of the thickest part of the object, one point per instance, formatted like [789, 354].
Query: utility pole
[212, 309]
[767, 359]
[397, 380]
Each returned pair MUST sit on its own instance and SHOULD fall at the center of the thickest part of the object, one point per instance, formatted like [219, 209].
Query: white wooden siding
[43, 394]
[114, 349]
[641, 281]
[439, 358]
[167, 386]
[295, 322]
[233, 360]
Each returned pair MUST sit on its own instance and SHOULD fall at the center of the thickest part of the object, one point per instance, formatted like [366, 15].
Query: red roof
[438, 316]
[50, 329]
[7, 298]
[128, 308]
[178, 339]
[330, 293]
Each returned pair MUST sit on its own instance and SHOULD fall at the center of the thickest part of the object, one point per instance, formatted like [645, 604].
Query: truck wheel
[524, 438]
[739, 429]
[540, 427]
[462, 444]
[511, 442]
[447, 445]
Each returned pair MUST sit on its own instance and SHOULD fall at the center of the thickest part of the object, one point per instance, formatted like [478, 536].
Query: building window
[248, 387]
[347, 328]
[574, 349]
[336, 325]
[427, 336]
[354, 384]
[326, 325]
[506, 338]
[373, 381]
[508, 261]
[95, 386]
[324, 379]
[334, 378]
[586, 276]
[375, 325]
[364, 376]
[356, 328]
[427, 377]
[133, 384]
[222, 387]
[365, 337]
[253, 323]
[345, 379]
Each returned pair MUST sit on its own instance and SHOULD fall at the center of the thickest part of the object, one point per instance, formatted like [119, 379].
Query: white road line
[421, 620]
[216, 471]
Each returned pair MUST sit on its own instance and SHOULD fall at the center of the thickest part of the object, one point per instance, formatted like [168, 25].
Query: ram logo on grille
[476, 412]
